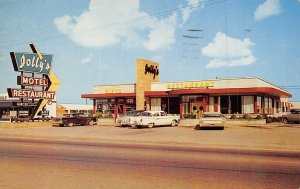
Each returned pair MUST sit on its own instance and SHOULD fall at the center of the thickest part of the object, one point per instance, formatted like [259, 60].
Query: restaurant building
[247, 95]
[14, 107]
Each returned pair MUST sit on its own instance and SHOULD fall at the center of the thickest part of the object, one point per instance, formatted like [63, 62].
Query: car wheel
[91, 122]
[197, 127]
[70, 124]
[173, 123]
[284, 120]
[150, 125]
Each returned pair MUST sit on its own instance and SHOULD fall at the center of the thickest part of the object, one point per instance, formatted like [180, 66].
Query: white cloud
[87, 60]
[267, 9]
[227, 46]
[192, 5]
[162, 34]
[243, 61]
[99, 26]
[226, 51]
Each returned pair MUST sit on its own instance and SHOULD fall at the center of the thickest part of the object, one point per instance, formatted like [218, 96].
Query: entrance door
[225, 104]
[196, 107]
[120, 109]
[171, 105]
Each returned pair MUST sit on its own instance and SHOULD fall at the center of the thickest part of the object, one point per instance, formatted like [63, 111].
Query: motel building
[247, 95]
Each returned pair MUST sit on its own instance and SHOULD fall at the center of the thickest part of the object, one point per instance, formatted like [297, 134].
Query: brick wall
[143, 80]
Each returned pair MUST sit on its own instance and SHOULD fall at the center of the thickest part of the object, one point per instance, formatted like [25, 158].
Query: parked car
[155, 118]
[77, 119]
[211, 120]
[125, 119]
[292, 117]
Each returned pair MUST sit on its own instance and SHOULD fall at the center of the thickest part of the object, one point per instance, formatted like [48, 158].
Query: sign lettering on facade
[3, 98]
[13, 113]
[30, 62]
[196, 84]
[152, 70]
[113, 90]
[26, 93]
[32, 81]
[24, 104]
[23, 113]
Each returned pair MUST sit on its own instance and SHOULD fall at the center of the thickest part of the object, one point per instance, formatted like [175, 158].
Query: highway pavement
[44, 163]
[163, 157]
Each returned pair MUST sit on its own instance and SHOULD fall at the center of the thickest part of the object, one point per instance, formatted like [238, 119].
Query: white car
[125, 119]
[155, 118]
[212, 120]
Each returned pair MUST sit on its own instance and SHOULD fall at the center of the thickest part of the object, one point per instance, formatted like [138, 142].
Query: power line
[129, 21]
[291, 87]
[192, 37]
[194, 30]
[192, 44]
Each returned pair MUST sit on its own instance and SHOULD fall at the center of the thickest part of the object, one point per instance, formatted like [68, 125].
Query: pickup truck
[155, 118]
[292, 117]
[77, 119]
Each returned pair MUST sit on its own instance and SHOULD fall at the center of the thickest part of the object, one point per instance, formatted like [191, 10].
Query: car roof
[154, 111]
[136, 111]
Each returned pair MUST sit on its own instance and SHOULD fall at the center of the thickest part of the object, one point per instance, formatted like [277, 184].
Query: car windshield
[137, 113]
[132, 113]
[145, 114]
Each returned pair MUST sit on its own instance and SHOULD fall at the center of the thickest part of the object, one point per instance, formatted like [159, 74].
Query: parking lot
[270, 136]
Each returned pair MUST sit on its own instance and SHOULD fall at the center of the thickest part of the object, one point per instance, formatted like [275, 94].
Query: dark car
[77, 119]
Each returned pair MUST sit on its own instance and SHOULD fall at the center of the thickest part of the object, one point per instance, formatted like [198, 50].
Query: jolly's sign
[34, 63]
[152, 70]
[30, 62]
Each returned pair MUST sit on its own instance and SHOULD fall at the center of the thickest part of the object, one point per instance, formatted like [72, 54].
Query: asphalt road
[36, 163]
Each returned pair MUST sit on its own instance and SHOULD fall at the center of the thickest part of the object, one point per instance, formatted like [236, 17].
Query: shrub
[189, 116]
[233, 116]
[259, 117]
[186, 115]
[279, 119]
[98, 115]
[247, 117]
[269, 120]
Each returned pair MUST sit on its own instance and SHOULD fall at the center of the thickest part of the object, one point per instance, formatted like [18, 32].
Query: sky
[98, 41]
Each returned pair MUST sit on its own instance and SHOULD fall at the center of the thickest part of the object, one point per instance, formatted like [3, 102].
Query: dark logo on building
[151, 70]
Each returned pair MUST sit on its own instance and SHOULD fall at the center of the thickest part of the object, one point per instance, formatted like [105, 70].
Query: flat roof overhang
[231, 91]
[108, 95]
